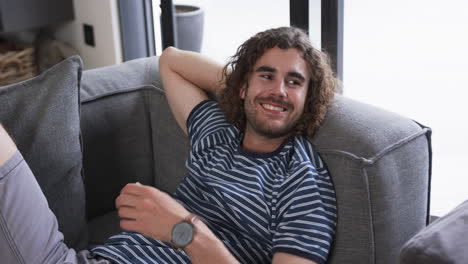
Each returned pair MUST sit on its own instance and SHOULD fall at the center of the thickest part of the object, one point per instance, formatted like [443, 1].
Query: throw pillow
[43, 117]
[442, 242]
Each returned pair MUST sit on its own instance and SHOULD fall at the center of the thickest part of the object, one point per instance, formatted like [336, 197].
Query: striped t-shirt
[256, 203]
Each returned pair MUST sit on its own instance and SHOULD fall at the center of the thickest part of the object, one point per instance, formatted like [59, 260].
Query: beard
[265, 127]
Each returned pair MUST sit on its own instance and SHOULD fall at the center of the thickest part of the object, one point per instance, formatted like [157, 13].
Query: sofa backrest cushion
[42, 115]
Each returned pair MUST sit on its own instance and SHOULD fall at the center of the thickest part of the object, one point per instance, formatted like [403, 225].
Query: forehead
[284, 60]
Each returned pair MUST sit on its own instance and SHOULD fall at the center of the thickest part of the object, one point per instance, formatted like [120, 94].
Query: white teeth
[272, 107]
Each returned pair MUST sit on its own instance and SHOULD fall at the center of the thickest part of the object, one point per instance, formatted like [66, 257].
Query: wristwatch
[183, 232]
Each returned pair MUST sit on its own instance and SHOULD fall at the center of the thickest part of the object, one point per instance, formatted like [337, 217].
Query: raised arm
[187, 78]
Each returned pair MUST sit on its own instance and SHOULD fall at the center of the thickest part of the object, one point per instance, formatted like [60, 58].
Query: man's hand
[148, 211]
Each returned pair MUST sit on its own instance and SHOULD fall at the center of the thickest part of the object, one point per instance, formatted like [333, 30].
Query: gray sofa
[379, 161]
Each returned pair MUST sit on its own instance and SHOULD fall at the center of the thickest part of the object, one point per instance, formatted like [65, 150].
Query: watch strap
[192, 219]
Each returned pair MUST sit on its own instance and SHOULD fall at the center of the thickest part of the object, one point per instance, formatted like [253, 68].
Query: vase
[189, 23]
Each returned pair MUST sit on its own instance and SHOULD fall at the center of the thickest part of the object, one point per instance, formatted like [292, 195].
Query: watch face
[182, 234]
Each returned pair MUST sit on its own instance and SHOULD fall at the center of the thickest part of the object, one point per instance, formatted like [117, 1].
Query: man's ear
[242, 92]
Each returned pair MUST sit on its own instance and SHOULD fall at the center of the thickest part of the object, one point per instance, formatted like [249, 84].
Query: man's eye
[266, 76]
[293, 82]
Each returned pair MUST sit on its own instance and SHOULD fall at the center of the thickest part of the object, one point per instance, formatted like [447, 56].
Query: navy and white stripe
[258, 204]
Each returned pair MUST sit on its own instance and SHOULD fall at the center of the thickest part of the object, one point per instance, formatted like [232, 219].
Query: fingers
[129, 200]
[132, 188]
[138, 189]
[127, 213]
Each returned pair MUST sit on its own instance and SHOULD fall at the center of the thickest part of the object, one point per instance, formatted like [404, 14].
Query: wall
[103, 16]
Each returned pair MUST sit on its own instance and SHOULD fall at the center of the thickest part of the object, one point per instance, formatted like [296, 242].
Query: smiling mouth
[273, 107]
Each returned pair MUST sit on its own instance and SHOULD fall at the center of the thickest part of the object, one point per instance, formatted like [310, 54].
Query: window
[411, 57]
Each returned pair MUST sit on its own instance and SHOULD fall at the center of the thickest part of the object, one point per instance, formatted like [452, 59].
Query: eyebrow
[265, 69]
[294, 74]
[297, 75]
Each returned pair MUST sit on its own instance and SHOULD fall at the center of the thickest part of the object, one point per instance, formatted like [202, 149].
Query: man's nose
[279, 89]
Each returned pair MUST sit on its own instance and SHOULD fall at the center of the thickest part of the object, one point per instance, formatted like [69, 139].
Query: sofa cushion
[442, 242]
[103, 227]
[42, 116]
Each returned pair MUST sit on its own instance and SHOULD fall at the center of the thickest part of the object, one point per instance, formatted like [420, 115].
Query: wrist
[202, 237]
[183, 232]
[204, 246]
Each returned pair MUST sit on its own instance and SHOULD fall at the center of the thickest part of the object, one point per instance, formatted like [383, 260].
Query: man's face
[277, 89]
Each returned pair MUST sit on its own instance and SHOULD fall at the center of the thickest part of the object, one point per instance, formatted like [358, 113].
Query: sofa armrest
[379, 162]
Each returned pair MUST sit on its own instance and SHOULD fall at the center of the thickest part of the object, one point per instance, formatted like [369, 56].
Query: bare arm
[187, 78]
[206, 248]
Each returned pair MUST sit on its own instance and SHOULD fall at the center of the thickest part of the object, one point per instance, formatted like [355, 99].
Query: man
[256, 191]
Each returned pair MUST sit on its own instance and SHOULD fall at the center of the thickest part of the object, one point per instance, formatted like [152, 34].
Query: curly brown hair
[321, 87]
